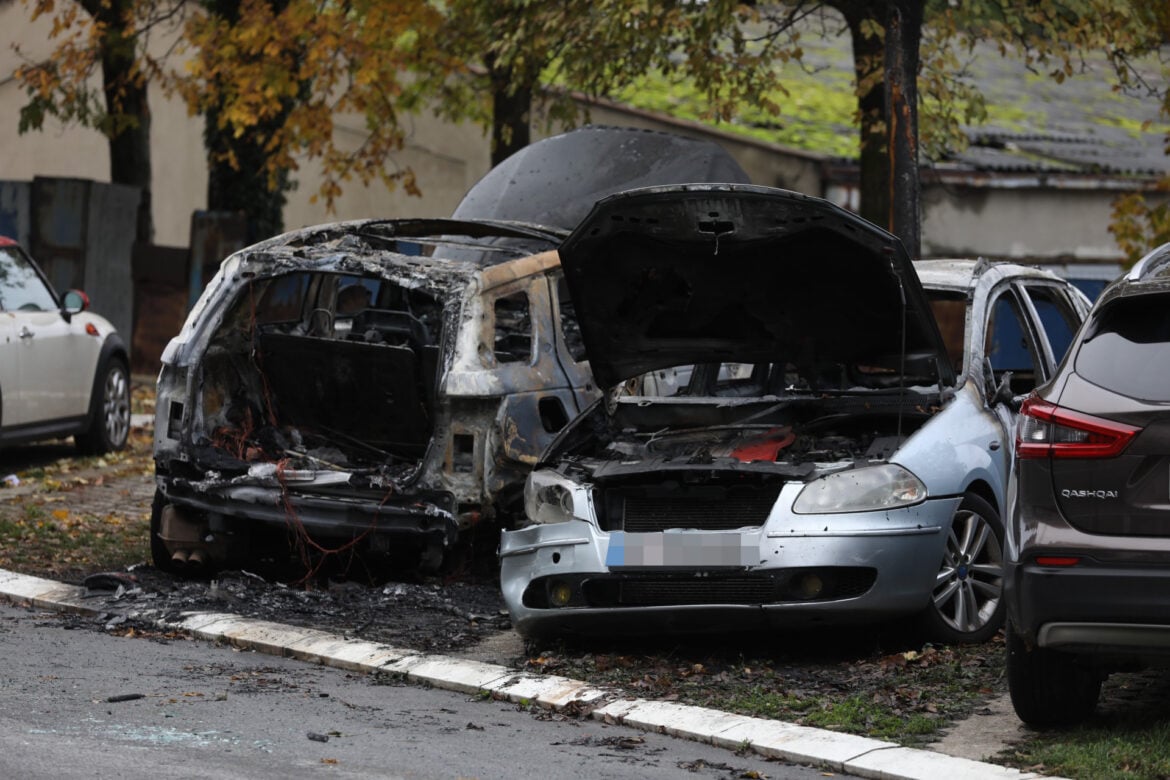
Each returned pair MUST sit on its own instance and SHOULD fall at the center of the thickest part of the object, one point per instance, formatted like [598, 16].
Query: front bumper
[795, 570]
[332, 515]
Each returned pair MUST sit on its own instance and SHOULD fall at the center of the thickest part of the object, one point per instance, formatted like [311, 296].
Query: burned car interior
[341, 378]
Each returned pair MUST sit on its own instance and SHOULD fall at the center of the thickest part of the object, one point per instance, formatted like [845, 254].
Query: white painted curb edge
[832, 750]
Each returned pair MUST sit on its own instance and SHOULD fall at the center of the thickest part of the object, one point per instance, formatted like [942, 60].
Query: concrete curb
[831, 750]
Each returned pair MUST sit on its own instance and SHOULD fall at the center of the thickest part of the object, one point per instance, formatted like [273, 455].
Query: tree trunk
[511, 111]
[903, 38]
[243, 186]
[237, 174]
[128, 129]
[889, 188]
[868, 57]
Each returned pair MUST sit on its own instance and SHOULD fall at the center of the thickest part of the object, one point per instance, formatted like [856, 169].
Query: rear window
[1127, 348]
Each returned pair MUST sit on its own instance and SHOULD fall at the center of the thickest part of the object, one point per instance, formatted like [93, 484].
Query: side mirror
[1005, 395]
[74, 302]
[1002, 394]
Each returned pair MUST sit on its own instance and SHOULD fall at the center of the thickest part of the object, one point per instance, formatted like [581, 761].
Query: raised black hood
[703, 273]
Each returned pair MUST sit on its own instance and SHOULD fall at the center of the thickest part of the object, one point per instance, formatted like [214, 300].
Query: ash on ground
[430, 616]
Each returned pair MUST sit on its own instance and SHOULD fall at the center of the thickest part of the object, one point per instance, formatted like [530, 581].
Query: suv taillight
[1044, 429]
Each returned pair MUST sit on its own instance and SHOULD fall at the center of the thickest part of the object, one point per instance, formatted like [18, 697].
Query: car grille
[705, 508]
[652, 593]
[747, 589]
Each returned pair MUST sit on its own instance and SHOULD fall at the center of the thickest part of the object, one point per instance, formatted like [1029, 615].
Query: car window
[283, 299]
[1127, 348]
[1057, 319]
[21, 287]
[570, 330]
[1009, 347]
[513, 331]
[355, 294]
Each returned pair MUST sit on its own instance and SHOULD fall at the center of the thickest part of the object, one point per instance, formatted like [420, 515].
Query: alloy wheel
[969, 584]
[116, 407]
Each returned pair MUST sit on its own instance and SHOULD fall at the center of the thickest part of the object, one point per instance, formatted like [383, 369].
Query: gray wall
[113, 210]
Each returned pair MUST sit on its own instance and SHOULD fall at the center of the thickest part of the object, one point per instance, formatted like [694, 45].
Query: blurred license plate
[681, 549]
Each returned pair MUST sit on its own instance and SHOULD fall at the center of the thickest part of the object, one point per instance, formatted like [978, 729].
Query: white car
[63, 370]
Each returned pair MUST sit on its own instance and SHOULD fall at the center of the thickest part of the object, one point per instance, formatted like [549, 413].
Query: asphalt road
[193, 709]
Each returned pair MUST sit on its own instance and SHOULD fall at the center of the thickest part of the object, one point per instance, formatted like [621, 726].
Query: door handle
[25, 333]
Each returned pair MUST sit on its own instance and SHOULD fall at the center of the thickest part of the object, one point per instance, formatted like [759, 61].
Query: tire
[1048, 688]
[109, 416]
[966, 604]
[158, 551]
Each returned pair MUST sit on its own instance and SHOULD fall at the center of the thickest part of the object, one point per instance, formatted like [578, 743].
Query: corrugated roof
[1095, 150]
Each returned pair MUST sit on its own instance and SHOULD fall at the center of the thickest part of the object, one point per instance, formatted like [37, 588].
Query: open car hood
[702, 273]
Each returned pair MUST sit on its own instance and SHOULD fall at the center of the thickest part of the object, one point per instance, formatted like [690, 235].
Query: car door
[541, 400]
[1056, 314]
[1030, 325]
[41, 351]
[1011, 345]
[1013, 353]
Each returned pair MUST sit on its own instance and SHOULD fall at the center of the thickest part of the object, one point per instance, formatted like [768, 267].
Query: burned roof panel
[557, 180]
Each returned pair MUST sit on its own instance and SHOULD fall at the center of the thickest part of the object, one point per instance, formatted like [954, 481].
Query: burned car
[793, 430]
[348, 387]
[384, 386]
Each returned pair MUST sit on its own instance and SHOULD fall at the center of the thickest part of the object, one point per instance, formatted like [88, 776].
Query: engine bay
[800, 439]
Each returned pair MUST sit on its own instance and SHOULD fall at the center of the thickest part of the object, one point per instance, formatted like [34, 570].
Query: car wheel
[1048, 687]
[966, 604]
[158, 551]
[109, 425]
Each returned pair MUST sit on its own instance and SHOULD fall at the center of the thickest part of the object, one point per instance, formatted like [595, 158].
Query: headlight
[860, 490]
[548, 498]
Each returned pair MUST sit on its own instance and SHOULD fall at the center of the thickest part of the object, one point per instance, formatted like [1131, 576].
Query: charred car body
[343, 385]
[389, 384]
[793, 430]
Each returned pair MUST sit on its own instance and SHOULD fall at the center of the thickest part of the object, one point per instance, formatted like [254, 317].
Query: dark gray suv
[1088, 543]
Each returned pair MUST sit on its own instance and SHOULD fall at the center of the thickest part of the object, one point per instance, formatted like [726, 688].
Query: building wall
[445, 158]
[1029, 222]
